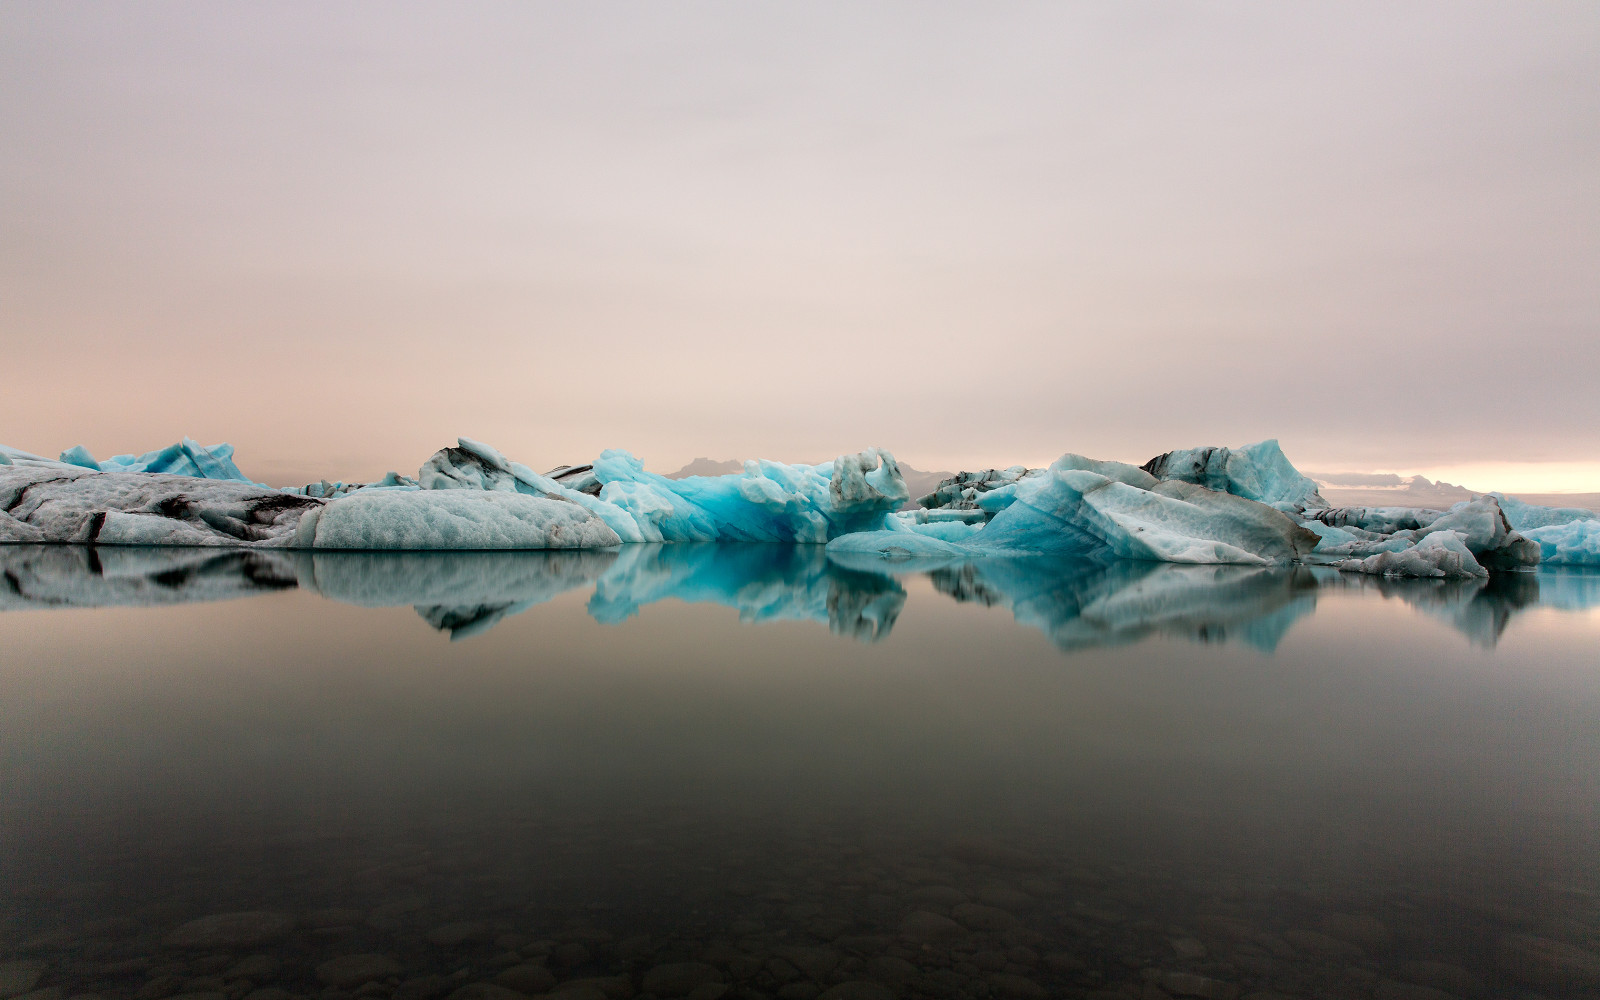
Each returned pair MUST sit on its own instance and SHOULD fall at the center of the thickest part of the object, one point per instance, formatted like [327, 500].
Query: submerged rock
[245, 929]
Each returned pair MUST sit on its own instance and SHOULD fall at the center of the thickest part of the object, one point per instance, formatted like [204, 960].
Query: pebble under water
[747, 773]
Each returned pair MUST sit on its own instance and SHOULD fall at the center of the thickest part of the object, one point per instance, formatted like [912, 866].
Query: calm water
[746, 772]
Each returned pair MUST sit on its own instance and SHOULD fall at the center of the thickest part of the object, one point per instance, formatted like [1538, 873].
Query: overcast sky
[339, 235]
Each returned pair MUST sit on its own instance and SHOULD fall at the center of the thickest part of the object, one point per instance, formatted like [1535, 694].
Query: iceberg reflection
[1078, 604]
[80, 576]
[1082, 605]
[763, 582]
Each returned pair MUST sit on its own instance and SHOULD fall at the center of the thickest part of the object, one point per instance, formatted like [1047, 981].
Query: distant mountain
[921, 483]
[1361, 489]
[707, 467]
[1588, 501]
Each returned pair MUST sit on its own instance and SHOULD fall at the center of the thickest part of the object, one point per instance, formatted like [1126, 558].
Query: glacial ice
[965, 491]
[1245, 506]
[1079, 502]
[186, 458]
[768, 501]
[1260, 472]
[443, 519]
[57, 502]
[1087, 508]
[1469, 539]
[1576, 543]
[1526, 516]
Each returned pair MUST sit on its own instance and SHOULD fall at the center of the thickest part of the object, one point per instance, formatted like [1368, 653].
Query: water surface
[999, 779]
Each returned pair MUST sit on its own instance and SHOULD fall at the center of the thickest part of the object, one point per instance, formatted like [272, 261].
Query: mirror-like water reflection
[1078, 604]
[1167, 782]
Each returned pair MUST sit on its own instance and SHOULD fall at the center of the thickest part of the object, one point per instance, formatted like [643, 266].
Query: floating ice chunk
[769, 501]
[1370, 522]
[1524, 516]
[966, 490]
[1575, 543]
[1088, 508]
[16, 456]
[1487, 534]
[65, 503]
[186, 458]
[1081, 505]
[448, 519]
[473, 465]
[947, 525]
[79, 455]
[1442, 553]
[1259, 471]
[1354, 535]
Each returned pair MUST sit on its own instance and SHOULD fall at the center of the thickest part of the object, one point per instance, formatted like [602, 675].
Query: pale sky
[340, 235]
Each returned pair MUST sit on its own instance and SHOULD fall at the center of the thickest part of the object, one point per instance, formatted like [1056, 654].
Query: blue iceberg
[186, 458]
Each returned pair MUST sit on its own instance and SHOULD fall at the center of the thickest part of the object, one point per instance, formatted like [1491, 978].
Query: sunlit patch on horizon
[1519, 477]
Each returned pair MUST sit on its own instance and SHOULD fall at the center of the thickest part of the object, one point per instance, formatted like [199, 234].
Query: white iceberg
[63, 503]
[429, 519]
[1406, 541]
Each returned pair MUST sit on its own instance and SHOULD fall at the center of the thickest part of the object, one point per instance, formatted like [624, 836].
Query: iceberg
[1469, 539]
[1526, 516]
[767, 502]
[1092, 509]
[1210, 506]
[70, 504]
[1260, 472]
[425, 519]
[58, 502]
[965, 490]
[1576, 543]
[1080, 505]
[186, 458]
[1203, 506]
